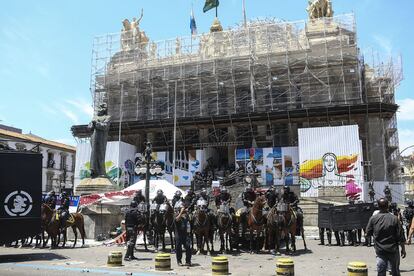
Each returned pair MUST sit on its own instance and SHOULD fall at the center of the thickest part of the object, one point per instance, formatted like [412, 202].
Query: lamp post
[148, 167]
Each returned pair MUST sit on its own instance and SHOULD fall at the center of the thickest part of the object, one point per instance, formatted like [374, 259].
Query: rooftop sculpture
[319, 9]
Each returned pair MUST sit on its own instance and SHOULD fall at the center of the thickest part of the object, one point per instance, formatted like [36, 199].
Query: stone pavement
[91, 260]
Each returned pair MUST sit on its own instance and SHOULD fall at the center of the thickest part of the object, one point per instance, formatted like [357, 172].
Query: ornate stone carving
[319, 9]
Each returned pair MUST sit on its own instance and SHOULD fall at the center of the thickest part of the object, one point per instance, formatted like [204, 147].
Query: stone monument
[98, 182]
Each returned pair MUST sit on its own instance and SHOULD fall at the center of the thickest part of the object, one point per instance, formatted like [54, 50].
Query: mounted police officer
[408, 215]
[159, 199]
[182, 233]
[50, 200]
[131, 222]
[138, 197]
[63, 210]
[177, 197]
[203, 195]
[248, 197]
[292, 199]
[272, 196]
[190, 200]
[223, 197]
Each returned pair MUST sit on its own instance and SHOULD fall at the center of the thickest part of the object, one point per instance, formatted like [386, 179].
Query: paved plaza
[91, 260]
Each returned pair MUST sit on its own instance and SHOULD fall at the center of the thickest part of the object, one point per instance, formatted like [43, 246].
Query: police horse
[203, 227]
[256, 222]
[51, 224]
[224, 225]
[289, 225]
[162, 220]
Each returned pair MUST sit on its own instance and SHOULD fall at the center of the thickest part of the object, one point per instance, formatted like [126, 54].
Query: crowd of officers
[354, 236]
[184, 207]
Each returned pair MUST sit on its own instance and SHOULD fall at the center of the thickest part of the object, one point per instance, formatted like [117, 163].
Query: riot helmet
[160, 192]
[204, 192]
[133, 204]
[178, 193]
[138, 193]
[224, 190]
[410, 203]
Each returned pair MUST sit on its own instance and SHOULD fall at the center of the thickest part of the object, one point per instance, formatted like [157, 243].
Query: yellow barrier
[285, 267]
[357, 269]
[163, 262]
[220, 265]
[115, 258]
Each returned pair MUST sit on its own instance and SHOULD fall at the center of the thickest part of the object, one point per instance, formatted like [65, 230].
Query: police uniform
[271, 196]
[131, 222]
[190, 201]
[248, 196]
[64, 211]
[205, 197]
[160, 199]
[51, 200]
[223, 197]
[139, 198]
[408, 215]
[175, 199]
[182, 236]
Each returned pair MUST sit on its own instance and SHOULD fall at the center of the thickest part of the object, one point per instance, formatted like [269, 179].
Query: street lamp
[148, 167]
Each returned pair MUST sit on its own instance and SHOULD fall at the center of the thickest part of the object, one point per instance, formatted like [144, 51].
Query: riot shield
[324, 215]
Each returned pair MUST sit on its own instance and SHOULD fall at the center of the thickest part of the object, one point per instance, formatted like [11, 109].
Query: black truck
[20, 195]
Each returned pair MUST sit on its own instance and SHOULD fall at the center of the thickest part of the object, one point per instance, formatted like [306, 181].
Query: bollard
[163, 262]
[285, 267]
[220, 266]
[357, 269]
[115, 258]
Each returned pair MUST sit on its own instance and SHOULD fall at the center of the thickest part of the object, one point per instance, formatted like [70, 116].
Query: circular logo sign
[18, 204]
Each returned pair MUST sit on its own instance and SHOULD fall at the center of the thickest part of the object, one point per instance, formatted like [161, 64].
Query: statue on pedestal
[319, 9]
[131, 36]
[100, 127]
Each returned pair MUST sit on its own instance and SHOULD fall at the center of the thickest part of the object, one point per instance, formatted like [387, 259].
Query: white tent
[168, 188]
[124, 197]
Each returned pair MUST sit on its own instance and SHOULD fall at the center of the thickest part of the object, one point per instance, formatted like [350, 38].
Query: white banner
[331, 157]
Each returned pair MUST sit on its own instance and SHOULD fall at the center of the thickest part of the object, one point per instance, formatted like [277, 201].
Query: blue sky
[45, 49]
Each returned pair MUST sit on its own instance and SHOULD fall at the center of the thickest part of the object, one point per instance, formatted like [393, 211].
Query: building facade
[58, 163]
[252, 86]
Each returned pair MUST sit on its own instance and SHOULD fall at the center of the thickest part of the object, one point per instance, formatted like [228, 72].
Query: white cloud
[406, 137]
[48, 109]
[70, 115]
[82, 105]
[406, 110]
[384, 42]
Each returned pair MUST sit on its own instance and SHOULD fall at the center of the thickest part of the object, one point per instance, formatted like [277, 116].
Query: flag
[193, 25]
[210, 4]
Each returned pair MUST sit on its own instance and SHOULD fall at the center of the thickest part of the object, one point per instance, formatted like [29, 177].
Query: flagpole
[216, 11]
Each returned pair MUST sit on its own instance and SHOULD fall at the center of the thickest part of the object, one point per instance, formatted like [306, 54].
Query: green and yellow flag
[210, 4]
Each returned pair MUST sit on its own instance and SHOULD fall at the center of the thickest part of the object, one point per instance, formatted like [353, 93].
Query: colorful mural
[275, 166]
[333, 162]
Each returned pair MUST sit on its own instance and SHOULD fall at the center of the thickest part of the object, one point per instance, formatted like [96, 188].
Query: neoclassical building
[58, 159]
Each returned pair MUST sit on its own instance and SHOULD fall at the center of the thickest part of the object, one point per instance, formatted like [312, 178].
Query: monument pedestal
[95, 186]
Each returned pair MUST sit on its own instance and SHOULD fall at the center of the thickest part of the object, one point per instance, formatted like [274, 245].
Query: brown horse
[46, 215]
[273, 230]
[224, 224]
[163, 220]
[290, 225]
[75, 221]
[203, 228]
[256, 221]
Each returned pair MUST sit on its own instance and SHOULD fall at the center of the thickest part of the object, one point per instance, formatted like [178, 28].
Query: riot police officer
[177, 197]
[387, 193]
[131, 222]
[182, 233]
[50, 200]
[271, 196]
[138, 197]
[203, 195]
[408, 215]
[160, 198]
[248, 197]
[223, 197]
[63, 210]
[189, 200]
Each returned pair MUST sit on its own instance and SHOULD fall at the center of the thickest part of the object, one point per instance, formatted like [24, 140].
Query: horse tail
[81, 226]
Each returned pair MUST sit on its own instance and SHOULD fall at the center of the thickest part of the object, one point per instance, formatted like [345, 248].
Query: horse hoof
[198, 252]
[208, 253]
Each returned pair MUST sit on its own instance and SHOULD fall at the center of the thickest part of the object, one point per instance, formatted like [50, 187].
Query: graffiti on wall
[333, 163]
